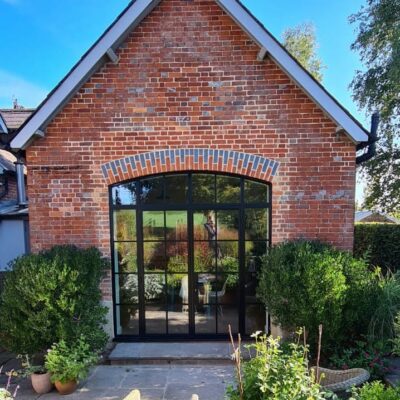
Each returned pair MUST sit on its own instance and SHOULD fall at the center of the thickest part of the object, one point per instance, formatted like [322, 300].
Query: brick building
[183, 143]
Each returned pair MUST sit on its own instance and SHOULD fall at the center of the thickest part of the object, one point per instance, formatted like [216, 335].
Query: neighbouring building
[369, 216]
[183, 144]
[14, 221]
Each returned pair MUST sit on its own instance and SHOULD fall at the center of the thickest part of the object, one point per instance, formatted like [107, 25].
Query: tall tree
[378, 88]
[301, 42]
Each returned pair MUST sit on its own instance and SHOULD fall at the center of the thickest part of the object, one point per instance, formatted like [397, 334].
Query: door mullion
[140, 263]
[190, 227]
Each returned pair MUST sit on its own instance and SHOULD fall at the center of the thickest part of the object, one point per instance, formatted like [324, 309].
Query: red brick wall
[12, 189]
[189, 77]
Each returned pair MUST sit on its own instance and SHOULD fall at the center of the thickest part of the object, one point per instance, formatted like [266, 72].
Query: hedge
[381, 242]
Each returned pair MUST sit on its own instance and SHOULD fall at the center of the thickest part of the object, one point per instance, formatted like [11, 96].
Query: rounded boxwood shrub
[53, 296]
[305, 284]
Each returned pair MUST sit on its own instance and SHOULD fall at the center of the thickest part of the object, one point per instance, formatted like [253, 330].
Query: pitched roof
[3, 126]
[7, 161]
[135, 12]
[14, 118]
[362, 215]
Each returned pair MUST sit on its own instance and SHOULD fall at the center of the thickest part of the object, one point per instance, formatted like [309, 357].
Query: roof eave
[249, 23]
[82, 71]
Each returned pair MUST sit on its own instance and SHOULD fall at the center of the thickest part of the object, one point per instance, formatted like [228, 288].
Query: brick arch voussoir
[193, 159]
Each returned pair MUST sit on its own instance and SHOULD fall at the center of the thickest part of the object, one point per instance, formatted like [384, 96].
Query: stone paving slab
[172, 382]
[171, 351]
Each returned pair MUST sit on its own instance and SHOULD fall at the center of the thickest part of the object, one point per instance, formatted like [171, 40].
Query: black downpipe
[371, 143]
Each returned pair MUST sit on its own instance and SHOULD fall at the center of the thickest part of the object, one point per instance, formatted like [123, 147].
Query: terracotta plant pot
[67, 387]
[41, 383]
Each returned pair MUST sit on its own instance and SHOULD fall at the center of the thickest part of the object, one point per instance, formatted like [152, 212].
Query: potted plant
[68, 363]
[39, 376]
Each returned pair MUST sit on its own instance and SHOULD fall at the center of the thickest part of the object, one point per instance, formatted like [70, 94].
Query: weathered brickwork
[188, 78]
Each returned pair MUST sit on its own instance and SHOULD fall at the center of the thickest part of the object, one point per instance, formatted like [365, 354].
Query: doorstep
[216, 353]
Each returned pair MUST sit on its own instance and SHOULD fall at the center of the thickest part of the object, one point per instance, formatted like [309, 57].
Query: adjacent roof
[10, 209]
[369, 216]
[14, 118]
[7, 161]
[3, 126]
[135, 12]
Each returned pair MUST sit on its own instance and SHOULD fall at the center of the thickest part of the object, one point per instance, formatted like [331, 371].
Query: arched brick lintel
[193, 159]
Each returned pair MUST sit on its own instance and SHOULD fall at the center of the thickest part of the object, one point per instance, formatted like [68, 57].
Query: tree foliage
[378, 88]
[301, 42]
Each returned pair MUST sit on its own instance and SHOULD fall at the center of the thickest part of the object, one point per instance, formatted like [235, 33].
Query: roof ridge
[133, 14]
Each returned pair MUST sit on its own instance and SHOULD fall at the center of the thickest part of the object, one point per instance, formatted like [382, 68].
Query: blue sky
[42, 39]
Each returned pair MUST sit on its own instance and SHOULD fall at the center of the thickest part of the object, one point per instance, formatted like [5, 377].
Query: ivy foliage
[53, 296]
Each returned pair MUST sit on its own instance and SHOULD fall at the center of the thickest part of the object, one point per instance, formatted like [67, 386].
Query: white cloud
[13, 86]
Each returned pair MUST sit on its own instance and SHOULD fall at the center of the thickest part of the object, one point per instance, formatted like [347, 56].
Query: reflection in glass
[153, 225]
[228, 315]
[153, 190]
[178, 319]
[176, 189]
[228, 225]
[154, 256]
[205, 321]
[228, 250]
[178, 288]
[224, 289]
[228, 189]
[176, 223]
[255, 192]
[125, 225]
[255, 318]
[128, 292]
[204, 256]
[124, 195]
[125, 257]
[154, 288]
[156, 318]
[177, 256]
[203, 188]
[127, 320]
[251, 287]
[204, 225]
[256, 224]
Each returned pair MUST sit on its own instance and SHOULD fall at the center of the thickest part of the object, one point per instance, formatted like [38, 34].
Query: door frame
[190, 208]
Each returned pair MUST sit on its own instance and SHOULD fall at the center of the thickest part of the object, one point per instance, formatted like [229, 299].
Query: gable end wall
[188, 77]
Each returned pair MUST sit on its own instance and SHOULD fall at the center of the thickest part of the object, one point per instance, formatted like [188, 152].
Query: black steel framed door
[186, 250]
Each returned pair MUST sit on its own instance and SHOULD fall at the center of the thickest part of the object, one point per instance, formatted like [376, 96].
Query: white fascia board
[3, 126]
[265, 40]
[131, 17]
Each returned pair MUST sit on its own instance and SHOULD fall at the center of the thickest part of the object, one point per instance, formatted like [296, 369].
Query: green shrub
[380, 242]
[367, 354]
[308, 283]
[396, 339]
[386, 300]
[52, 296]
[375, 391]
[70, 362]
[276, 374]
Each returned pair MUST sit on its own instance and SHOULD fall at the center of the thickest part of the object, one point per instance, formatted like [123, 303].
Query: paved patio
[166, 382]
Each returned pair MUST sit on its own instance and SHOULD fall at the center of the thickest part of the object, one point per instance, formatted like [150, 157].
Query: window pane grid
[167, 248]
